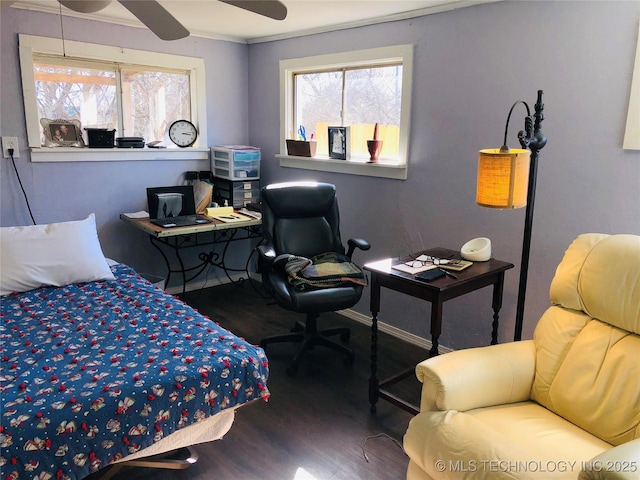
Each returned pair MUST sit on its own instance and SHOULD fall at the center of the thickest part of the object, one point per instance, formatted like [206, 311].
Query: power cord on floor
[10, 150]
[364, 453]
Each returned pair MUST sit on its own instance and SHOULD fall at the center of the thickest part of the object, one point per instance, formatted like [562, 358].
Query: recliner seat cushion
[521, 440]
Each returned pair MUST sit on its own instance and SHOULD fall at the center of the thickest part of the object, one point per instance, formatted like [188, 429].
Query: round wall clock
[183, 133]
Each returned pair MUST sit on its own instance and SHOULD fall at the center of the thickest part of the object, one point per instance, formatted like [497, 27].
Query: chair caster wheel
[344, 337]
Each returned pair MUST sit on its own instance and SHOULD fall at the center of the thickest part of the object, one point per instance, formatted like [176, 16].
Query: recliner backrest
[301, 218]
[588, 342]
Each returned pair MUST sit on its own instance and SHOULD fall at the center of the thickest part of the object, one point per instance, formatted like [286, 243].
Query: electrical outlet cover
[7, 143]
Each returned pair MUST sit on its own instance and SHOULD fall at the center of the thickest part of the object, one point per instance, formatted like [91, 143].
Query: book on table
[457, 265]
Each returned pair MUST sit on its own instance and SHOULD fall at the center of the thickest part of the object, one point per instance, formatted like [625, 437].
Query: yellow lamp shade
[502, 178]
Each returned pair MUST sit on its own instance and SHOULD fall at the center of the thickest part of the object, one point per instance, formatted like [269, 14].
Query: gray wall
[70, 191]
[470, 66]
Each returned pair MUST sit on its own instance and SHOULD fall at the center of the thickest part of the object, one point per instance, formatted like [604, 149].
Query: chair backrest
[588, 341]
[301, 218]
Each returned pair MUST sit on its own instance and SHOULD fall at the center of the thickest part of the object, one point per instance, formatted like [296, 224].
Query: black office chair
[303, 219]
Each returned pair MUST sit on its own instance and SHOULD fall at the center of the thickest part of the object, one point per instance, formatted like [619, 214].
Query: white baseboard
[351, 314]
[192, 286]
[393, 331]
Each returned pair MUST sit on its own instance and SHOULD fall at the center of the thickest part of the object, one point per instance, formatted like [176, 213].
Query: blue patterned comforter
[90, 373]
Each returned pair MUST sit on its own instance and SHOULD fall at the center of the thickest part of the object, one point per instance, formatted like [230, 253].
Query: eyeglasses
[424, 260]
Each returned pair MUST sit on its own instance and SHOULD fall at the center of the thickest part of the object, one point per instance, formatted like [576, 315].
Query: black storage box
[100, 137]
[130, 142]
[236, 193]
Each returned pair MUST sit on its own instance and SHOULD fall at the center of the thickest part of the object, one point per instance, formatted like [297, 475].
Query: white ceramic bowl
[477, 250]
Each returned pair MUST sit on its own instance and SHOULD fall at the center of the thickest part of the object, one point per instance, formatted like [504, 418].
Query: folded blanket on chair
[323, 271]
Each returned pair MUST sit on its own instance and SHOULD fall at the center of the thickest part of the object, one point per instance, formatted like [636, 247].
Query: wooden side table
[479, 275]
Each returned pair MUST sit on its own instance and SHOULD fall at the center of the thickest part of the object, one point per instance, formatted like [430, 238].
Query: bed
[107, 367]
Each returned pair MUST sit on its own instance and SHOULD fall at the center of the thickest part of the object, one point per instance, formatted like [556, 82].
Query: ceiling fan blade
[85, 6]
[6, 3]
[156, 18]
[268, 8]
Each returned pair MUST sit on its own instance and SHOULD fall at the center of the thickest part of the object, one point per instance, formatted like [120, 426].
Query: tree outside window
[354, 97]
[88, 91]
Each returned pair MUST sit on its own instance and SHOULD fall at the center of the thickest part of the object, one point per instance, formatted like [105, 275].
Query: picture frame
[61, 132]
[339, 143]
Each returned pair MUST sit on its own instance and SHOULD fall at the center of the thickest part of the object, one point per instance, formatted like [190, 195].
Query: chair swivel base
[309, 337]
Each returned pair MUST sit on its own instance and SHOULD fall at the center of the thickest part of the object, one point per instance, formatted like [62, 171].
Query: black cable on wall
[13, 162]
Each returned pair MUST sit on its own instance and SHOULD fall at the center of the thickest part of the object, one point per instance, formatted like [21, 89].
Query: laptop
[173, 206]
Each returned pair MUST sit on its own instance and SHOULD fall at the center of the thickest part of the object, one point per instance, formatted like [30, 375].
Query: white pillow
[51, 255]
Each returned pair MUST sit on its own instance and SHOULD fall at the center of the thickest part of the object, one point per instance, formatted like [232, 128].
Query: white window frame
[402, 54]
[30, 44]
[632, 131]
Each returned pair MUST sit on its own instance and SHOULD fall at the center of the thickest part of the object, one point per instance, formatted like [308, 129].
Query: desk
[479, 275]
[206, 234]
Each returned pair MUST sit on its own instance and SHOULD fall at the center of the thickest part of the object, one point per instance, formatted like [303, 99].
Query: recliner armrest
[354, 243]
[619, 463]
[477, 377]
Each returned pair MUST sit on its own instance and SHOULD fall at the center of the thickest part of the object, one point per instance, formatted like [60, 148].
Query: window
[356, 89]
[90, 92]
[137, 93]
[357, 97]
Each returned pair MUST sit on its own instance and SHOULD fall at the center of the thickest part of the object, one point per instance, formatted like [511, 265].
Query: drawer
[235, 164]
[236, 193]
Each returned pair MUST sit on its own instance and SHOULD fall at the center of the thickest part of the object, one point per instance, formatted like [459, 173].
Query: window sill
[65, 154]
[351, 167]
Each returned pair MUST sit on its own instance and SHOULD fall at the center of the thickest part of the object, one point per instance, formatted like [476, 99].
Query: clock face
[183, 133]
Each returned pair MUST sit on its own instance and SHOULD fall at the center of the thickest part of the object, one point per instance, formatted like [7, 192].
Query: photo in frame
[339, 143]
[62, 133]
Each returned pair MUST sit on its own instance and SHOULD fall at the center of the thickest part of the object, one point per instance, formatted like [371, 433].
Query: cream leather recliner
[565, 405]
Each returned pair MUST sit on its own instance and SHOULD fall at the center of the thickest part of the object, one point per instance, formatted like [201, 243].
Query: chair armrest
[266, 252]
[619, 463]
[270, 261]
[477, 377]
[354, 243]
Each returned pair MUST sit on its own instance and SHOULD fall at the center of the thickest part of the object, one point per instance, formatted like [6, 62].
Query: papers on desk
[202, 193]
[232, 218]
[251, 213]
[140, 214]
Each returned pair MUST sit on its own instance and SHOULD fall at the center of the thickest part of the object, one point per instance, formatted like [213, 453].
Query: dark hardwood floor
[315, 424]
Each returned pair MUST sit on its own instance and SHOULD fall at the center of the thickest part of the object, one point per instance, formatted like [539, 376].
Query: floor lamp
[507, 179]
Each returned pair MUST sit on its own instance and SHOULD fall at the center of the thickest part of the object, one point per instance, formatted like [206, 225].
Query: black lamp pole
[532, 138]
